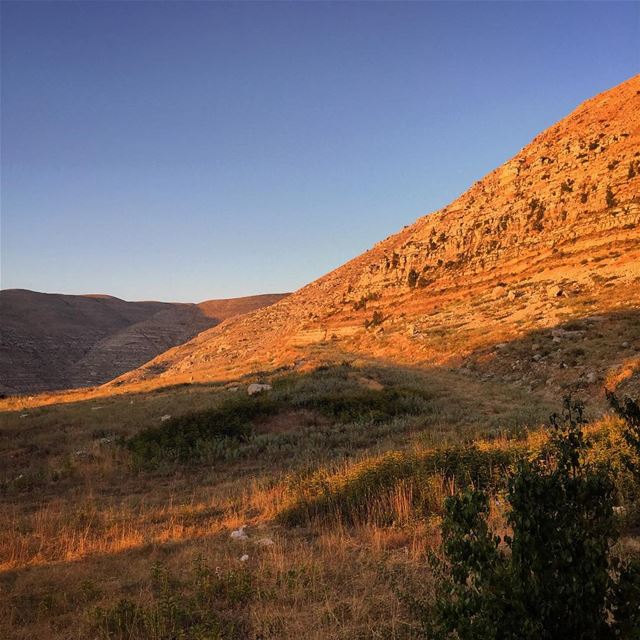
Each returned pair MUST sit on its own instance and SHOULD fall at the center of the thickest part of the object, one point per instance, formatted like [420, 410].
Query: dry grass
[83, 530]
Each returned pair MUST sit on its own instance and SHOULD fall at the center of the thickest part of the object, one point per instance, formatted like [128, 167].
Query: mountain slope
[549, 237]
[229, 307]
[55, 341]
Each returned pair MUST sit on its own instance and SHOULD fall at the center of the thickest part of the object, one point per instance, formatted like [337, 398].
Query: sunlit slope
[550, 236]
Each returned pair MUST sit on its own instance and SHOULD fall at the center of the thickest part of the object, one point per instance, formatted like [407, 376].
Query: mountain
[56, 341]
[515, 278]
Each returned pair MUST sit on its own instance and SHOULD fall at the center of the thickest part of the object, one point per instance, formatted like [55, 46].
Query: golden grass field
[352, 507]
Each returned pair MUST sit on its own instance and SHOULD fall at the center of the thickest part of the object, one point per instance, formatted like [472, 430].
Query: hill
[56, 341]
[532, 275]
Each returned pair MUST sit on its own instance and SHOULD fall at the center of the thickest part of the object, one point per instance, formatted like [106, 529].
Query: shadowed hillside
[55, 341]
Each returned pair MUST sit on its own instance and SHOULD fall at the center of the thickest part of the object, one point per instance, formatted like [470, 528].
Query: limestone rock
[256, 387]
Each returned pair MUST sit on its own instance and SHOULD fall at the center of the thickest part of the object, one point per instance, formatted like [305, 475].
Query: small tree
[376, 319]
[554, 578]
[611, 198]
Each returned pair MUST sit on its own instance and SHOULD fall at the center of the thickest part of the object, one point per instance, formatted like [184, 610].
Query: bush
[187, 438]
[557, 579]
[629, 411]
[376, 319]
[362, 303]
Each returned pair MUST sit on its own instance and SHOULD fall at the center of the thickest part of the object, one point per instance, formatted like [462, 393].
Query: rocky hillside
[54, 341]
[532, 275]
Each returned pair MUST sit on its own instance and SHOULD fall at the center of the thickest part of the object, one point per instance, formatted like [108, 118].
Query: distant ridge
[54, 341]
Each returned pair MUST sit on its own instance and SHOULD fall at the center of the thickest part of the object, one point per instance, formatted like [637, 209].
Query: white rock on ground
[239, 534]
[256, 387]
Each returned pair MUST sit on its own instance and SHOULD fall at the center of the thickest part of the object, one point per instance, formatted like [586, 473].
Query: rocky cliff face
[53, 341]
[549, 238]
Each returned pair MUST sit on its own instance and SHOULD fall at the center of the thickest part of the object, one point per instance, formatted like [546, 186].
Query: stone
[239, 534]
[554, 291]
[498, 292]
[257, 387]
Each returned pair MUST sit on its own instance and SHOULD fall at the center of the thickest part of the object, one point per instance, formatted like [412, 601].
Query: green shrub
[558, 579]
[188, 438]
[629, 411]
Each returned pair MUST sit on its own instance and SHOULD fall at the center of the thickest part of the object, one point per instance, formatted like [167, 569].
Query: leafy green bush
[210, 604]
[557, 579]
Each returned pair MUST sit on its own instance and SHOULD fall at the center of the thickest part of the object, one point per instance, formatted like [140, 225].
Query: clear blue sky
[185, 151]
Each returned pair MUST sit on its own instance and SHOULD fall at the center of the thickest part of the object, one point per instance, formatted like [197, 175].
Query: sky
[184, 151]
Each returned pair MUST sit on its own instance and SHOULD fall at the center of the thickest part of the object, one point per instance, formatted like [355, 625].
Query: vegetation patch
[209, 604]
[384, 489]
[190, 437]
[554, 575]
[220, 432]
